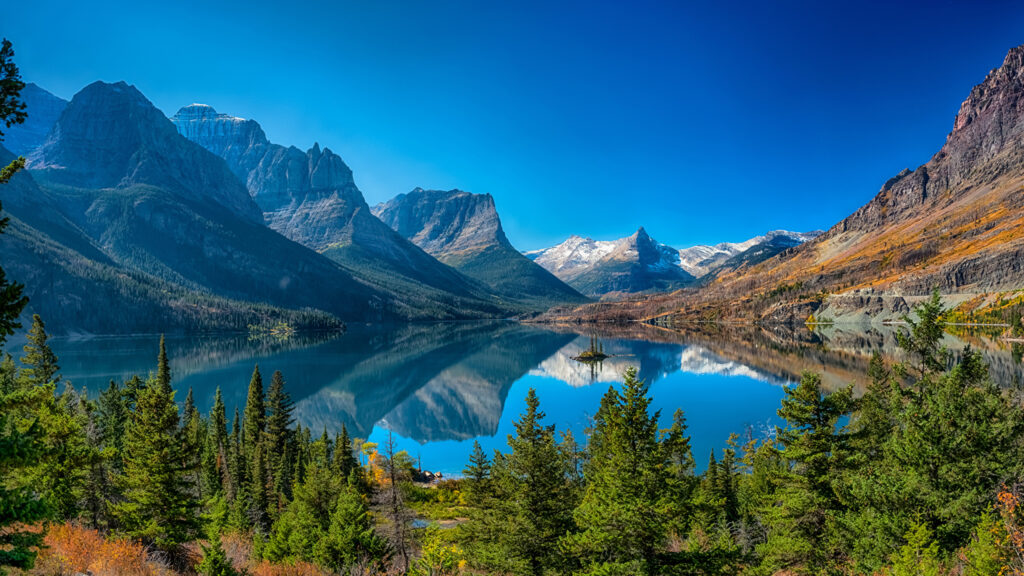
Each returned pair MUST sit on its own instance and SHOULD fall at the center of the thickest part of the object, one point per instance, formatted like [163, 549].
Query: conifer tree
[477, 475]
[817, 450]
[620, 520]
[530, 515]
[159, 507]
[163, 366]
[350, 539]
[254, 419]
[20, 446]
[61, 472]
[344, 457]
[279, 429]
[39, 362]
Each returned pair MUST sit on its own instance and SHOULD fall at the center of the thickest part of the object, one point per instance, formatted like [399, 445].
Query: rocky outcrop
[307, 196]
[43, 110]
[111, 136]
[464, 231]
[311, 198]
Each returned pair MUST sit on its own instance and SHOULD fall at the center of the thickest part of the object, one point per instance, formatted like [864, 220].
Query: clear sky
[701, 121]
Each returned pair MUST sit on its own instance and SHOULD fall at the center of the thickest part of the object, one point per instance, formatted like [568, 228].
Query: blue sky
[701, 121]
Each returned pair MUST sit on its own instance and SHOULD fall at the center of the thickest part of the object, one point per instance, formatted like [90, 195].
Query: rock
[43, 110]
[464, 231]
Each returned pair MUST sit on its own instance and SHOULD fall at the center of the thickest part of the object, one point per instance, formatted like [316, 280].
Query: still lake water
[437, 387]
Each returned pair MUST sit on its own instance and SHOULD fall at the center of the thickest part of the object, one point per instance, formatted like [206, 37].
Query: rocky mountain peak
[443, 221]
[986, 143]
[111, 136]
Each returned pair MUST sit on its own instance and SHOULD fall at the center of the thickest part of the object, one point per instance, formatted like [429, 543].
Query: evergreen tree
[39, 362]
[350, 539]
[254, 419]
[20, 446]
[477, 475]
[163, 366]
[816, 448]
[112, 420]
[279, 428]
[61, 472]
[158, 507]
[621, 521]
[344, 456]
[529, 514]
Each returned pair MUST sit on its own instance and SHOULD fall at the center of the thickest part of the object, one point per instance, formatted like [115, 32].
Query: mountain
[311, 198]
[43, 109]
[585, 258]
[637, 263]
[118, 212]
[955, 223]
[703, 260]
[463, 230]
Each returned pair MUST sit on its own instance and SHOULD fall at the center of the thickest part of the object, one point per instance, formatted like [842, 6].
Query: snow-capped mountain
[638, 263]
[700, 260]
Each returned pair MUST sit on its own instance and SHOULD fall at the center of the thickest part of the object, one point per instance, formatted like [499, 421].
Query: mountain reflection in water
[438, 387]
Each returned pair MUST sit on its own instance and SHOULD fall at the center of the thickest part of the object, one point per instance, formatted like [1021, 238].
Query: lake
[439, 387]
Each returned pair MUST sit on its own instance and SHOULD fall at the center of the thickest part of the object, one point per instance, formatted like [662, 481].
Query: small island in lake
[593, 354]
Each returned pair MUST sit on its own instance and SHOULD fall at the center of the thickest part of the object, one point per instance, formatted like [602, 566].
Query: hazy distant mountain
[312, 198]
[639, 263]
[119, 212]
[43, 109]
[464, 231]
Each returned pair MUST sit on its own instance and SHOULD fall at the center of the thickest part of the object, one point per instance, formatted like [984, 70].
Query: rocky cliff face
[311, 198]
[308, 196]
[464, 231]
[111, 136]
[444, 223]
[145, 214]
[43, 110]
[986, 143]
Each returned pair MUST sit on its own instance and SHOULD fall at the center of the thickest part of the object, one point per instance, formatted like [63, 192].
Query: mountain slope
[311, 197]
[464, 231]
[955, 223]
[134, 195]
[637, 263]
[77, 287]
[43, 110]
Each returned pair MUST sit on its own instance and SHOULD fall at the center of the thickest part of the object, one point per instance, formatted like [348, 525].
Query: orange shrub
[73, 549]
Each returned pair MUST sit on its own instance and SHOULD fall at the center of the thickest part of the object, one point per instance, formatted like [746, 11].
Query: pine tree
[236, 460]
[279, 429]
[817, 449]
[529, 515]
[254, 419]
[344, 458]
[350, 539]
[158, 508]
[40, 363]
[20, 447]
[477, 474]
[163, 366]
[61, 472]
[620, 520]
